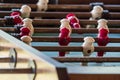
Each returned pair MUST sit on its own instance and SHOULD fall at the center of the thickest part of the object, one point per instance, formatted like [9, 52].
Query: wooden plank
[53, 67]
[93, 72]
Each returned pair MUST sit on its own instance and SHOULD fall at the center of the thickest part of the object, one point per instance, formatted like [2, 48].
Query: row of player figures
[65, 32]
[42, 5]
[22, 22]
[65, 29]
[88, 47]
[20, 17]
[18, 14]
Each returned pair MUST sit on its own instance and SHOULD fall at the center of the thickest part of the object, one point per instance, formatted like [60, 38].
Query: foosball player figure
[13, 20]
[64, 35]
[17, 15]
[42, 5]
[24, 11]
[26, 39]
[96, 14]
[103, 38]
[73, 20]
[88, 48]
[27, 22]
[27, 31]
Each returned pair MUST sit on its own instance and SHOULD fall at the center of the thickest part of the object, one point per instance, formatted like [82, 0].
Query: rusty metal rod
[72, 48]
[82, 22]
[53, 14]
[80, 31]
[8, 6]
[72, 59]
[87, 59]
[56, 22]
[56, 30]
[73, 39]
[76, 48]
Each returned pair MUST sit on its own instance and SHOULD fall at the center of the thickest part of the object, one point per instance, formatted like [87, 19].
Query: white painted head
[25, 10]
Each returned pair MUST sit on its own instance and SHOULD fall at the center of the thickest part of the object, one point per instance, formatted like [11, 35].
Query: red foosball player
[26, 31]
[25, 35]
[102, 35]
[15, 12]
[74, 21]
[27, 22]
[17, 20]
[13, 20]
[64, 35]
[17, 15]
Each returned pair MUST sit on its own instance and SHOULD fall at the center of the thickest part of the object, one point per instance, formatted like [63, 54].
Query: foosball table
[59, 40]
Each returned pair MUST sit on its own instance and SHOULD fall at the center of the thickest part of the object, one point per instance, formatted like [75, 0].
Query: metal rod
[7, 59]
[76, 48]
[82, 22]
[56, 30]
[80, 15]
[72, 48]
[14, 71]
[59, 7]
[56, 22]
[73, 59]
[80, 31]
[87, 59]
[73, 39]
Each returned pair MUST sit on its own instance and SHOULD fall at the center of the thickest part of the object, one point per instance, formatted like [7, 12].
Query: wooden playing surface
[45, 70]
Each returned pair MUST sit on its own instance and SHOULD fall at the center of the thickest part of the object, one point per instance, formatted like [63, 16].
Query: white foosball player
[25, 11]
[88, 47]
[42, 5]
[96, 14]
[26, 39]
